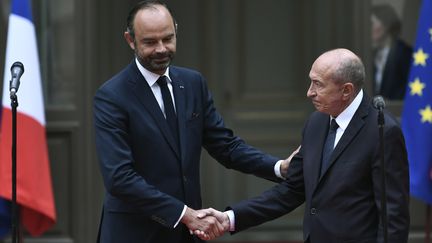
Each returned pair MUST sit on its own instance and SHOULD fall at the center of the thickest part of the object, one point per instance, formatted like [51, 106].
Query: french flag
[34, 187]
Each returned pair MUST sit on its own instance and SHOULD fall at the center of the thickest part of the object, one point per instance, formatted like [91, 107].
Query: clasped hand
[207, 224]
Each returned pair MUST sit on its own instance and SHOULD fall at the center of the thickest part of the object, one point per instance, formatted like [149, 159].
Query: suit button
[313, 211]
[184, 179]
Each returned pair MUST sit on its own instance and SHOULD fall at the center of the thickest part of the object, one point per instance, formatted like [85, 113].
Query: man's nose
[160, 48]
[311, 92]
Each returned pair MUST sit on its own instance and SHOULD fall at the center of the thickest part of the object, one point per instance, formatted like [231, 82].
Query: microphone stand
[15, 213]
[384, 221]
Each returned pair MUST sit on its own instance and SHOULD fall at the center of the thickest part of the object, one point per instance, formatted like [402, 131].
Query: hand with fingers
[221, 217]
[208, 227]
[285, 164]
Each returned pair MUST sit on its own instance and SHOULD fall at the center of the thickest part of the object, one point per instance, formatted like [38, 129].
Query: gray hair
[350, 70]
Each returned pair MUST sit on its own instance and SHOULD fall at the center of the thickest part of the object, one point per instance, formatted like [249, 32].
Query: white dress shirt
[345, 117]
[342, 120]
[151, 79]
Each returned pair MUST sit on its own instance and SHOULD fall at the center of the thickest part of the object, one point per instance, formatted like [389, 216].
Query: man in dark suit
[392, 56]
[395, 73]
[151, 120]
[337, 171]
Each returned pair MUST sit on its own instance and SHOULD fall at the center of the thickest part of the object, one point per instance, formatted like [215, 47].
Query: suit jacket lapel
[357, 122]
[180, 102]
[321, 135]
[145, 95]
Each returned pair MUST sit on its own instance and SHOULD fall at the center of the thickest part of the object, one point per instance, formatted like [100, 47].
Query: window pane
[57, 49]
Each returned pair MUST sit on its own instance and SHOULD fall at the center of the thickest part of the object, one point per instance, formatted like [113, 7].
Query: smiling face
[154, 41]
[328, 95]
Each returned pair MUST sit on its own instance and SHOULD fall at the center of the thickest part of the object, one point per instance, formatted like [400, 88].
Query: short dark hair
[352, 71]
[146, 4]
[388, 17]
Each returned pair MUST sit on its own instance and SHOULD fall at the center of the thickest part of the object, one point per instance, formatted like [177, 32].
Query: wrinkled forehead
[322, 66]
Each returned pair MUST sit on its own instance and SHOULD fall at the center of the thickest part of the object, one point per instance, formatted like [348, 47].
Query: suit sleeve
[230, 150]
[275, 202]
[397, 186]
[116, 162]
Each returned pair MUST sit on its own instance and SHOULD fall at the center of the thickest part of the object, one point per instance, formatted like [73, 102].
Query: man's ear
[129, 39]
[347, 91]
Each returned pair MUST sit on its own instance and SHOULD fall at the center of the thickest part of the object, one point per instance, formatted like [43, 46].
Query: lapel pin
[181, 87]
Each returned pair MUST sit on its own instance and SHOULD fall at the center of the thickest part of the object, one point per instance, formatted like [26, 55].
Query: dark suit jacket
[396, 71]
[148, 177]
[344, 204]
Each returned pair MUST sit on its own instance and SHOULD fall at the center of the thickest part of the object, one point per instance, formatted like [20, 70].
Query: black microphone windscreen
[378, 102]
[17, 67]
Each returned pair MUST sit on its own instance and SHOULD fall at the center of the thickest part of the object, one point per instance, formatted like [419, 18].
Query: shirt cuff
[231, 217]
[277, 169]
[181, 216]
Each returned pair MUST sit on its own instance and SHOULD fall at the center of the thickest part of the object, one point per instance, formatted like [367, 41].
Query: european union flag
[417, 112]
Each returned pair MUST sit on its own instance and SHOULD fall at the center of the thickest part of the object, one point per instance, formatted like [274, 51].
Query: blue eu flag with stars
[417, 111]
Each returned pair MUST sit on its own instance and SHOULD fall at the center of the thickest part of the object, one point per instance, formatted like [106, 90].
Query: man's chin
[158, 68]
[160, 65]
[320, 108]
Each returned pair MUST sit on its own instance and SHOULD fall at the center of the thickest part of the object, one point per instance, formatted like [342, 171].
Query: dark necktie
[329, 145]
[170, 114]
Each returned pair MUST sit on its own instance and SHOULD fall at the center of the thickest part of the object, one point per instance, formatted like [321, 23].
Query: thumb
[204, 213]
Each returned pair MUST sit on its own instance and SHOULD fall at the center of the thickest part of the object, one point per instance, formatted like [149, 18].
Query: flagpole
[15, 213]
[22, 45]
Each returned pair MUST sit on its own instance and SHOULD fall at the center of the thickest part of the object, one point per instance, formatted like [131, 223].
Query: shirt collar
[345, 117]
[150, 77]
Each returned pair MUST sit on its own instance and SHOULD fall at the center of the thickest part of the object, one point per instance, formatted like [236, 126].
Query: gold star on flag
[420, 57]
[417, 87]
[426, 114]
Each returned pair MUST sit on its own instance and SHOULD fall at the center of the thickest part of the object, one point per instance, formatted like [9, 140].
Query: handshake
[207, 224]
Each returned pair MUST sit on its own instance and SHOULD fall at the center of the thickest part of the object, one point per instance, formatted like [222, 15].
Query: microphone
[17, 71]
[378, 102]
